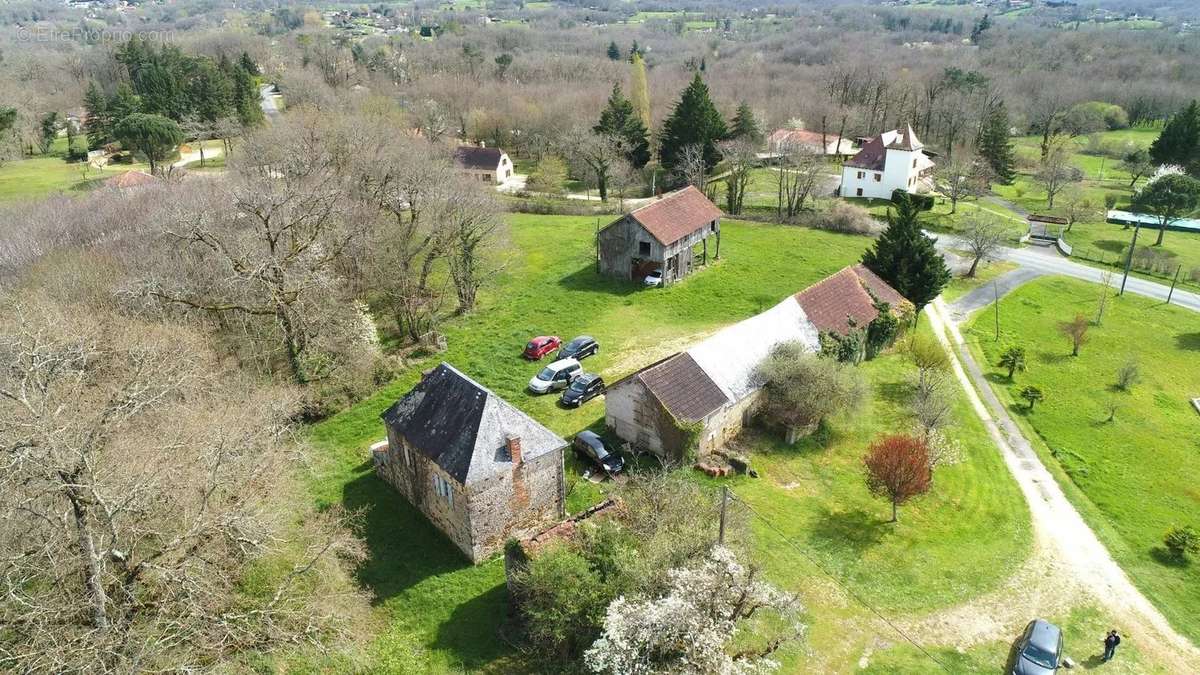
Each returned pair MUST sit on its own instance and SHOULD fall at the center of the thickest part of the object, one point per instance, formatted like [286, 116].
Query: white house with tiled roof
[893, 160]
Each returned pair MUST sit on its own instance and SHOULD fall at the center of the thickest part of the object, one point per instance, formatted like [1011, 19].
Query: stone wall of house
[728, 422]
[631, 413]
[515, 503]
[412, 474]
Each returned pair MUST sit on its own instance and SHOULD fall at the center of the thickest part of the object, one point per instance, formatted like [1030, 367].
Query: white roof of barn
[730, 356]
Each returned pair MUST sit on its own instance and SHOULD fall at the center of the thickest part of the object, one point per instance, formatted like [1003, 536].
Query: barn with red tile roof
[663, 235]
[711, 391]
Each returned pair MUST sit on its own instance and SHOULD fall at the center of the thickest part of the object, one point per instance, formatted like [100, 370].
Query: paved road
[269, 104]
[986, 294]
[1059, 528]
[1047, 261]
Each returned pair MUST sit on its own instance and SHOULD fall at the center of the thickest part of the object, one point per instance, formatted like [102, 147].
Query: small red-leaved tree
[898, 468]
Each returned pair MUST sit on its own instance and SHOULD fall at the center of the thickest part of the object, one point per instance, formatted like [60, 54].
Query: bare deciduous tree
[139, 481]
[962, 177]
[740, 159]
[473, 224]
[983, 235]
[1056, 172]
[796, 176]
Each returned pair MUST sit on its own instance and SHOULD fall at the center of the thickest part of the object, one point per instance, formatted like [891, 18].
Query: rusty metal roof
[676, 215]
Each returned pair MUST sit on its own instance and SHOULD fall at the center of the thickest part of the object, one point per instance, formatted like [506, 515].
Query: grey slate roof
[472, 157]
[462, 426]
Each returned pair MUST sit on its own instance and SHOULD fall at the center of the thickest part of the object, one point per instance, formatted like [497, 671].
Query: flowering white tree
[690, 628]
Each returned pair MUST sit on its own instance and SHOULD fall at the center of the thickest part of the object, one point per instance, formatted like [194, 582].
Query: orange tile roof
[676, 215]
[131, 179]
[832, 302]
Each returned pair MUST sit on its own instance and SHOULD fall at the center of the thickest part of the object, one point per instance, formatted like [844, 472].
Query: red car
[541, 346]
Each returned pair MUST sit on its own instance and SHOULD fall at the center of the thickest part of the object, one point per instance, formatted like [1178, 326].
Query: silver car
[557, 375]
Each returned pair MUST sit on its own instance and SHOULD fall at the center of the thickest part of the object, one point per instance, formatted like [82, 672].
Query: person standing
[1110, 644]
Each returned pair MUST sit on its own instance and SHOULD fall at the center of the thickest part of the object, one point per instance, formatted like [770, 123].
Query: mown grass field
[1133, 478]
[438, 613]
[43, 175]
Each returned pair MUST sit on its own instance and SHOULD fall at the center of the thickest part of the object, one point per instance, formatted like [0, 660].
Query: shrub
[846, 217]
[1032, 395]
[1182, 542]
[1128, 375]
[1155, 259]
[802, 389]
[922, 202]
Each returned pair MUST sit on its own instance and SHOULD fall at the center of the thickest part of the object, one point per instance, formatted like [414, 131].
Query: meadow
[1128, 459]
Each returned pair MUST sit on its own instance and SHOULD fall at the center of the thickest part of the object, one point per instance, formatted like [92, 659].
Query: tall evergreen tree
[620, 121]
[1179, 142]
[614, 52]
[249, 64]
[907, 259]
[639, 90]
[745, 125]
[994, 144]
[122, 104]
[693, 121]
[245, 97]
[98, 125]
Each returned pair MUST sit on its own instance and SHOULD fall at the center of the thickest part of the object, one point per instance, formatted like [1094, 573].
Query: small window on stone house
[914, 162]
[878, 177]
[442, 487]
[861, 175]
[643, 248]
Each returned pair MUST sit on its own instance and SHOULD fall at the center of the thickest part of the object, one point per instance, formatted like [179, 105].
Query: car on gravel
[589, 445]
[557, 375]
[583, 389]
[579, 348]
[1039, 651]
[541, 346]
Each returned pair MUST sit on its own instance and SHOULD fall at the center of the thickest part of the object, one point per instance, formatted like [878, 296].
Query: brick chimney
[513, 442]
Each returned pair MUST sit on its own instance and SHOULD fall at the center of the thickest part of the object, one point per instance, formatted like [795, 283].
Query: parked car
[1039, 651]
[589, 445]
[579, 348]
[583, 389]
[541, 346]
[654, 278]
[557, 375]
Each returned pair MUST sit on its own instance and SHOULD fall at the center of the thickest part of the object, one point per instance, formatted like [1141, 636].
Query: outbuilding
[661, 235]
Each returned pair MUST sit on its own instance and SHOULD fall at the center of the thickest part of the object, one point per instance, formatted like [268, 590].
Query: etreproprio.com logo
[43, 33]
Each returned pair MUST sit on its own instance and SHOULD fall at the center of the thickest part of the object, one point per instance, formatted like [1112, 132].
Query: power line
[849, 591]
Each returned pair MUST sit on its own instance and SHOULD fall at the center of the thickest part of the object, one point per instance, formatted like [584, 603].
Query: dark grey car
[1039, 651]
[589, 444]
[579, 348]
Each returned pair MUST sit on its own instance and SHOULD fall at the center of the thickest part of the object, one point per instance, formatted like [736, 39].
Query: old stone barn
[479, 469]
[663, 235]
[699, 399]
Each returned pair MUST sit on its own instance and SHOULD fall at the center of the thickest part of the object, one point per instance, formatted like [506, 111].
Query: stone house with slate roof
[660, 235]
[479, 469]
[893, 160]
[709, 390]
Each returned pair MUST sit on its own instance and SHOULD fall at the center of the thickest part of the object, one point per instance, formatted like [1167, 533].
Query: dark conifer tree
[619, 120]
[994, 144]
[907, 259]
[1179, 142]
[693, 121]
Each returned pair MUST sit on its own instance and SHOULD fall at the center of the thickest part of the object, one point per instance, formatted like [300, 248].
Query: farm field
[1130, 477]
[439, 613]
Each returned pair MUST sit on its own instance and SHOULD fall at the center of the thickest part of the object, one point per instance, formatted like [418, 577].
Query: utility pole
[996, 293]
[1173, 282]
[1137, 227]
[724, 503]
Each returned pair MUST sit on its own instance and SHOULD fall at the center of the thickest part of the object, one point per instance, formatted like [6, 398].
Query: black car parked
[580, 348]
[589, 445]
[583, 389]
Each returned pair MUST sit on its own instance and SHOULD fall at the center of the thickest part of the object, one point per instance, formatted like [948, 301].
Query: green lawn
[987, 271]
[438, 613]
[963, 538]
[41, 176]
[1133, 478]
